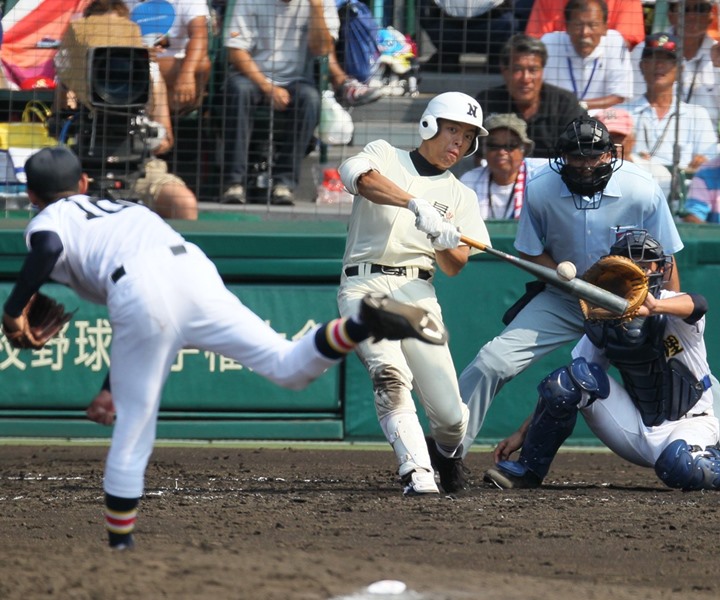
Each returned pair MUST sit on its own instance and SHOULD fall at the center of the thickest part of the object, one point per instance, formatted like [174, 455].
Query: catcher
[660, 416]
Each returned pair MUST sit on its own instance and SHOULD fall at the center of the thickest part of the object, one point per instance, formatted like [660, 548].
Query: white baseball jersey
[162, 294]
[616, 421]
[386, 235]
[95, 247]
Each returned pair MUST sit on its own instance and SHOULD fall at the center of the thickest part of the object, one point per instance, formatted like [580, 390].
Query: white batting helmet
[453, 106]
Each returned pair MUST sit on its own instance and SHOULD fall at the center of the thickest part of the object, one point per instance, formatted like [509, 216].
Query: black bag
[532, 289]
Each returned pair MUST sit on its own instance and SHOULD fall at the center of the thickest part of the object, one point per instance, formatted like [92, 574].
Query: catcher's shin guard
[562, 394]
[688, 467]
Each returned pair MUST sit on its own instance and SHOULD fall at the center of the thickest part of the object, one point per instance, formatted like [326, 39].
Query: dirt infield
[307, 524]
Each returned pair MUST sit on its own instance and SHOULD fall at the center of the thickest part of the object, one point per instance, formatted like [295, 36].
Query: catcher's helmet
[586, 138]
[643, 249]
[453, 106]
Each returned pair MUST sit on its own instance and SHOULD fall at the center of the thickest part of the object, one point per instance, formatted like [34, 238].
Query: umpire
[573, 211]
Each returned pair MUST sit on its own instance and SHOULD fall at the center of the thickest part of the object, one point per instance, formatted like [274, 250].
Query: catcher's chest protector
[662, 390]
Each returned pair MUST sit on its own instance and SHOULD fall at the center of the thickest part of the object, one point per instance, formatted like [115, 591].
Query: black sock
[120, 517]
[338, 337]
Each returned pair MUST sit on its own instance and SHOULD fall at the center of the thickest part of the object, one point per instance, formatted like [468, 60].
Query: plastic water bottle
[332, 190]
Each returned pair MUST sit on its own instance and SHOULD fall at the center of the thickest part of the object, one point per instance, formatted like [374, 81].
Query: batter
[394, 250]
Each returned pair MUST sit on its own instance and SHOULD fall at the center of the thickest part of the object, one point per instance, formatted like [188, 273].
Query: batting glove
[447, 238]
[427, 219]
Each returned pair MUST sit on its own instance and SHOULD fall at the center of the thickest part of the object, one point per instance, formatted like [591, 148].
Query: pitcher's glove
[41, 319]
[621, 276]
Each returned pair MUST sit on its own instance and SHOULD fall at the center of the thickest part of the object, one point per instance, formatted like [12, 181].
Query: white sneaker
[282, 195]
[235, 194]
[419, 482]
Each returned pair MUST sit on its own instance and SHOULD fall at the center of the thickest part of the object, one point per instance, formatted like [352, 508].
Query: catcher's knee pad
[688, 467]
[570, 388]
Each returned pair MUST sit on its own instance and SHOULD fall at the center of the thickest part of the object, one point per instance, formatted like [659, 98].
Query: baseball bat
[575, 287]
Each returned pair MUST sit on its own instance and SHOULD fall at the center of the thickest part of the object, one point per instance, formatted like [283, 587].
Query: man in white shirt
[700, 78]
[271, 47]
[588, 59]
[655, 112]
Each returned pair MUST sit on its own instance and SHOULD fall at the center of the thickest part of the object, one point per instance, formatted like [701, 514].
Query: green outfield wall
[288, 273]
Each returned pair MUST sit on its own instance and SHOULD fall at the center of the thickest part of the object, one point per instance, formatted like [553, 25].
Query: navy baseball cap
[665, 43]
[53, 170]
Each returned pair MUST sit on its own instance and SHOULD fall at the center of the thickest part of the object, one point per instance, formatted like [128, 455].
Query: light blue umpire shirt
[550, 221]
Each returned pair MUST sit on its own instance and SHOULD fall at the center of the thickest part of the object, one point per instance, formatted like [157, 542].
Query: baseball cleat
[128, 544]
[451, 470]
[511, 475]
[419, 483]
[392, 320]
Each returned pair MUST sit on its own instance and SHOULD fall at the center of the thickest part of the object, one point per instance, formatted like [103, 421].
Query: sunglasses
[498, 147]
[702, 9]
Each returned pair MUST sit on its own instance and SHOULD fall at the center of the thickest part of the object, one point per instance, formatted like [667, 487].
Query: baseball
[566, 270]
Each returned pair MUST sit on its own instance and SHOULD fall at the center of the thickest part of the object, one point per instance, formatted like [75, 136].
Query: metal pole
[676, 186]
[324, 85]
[410, 23]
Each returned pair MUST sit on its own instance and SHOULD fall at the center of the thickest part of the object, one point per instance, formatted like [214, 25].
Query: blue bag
[357, 47]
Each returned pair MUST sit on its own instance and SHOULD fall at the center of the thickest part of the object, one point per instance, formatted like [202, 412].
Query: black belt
[120, 272]
[398, 271]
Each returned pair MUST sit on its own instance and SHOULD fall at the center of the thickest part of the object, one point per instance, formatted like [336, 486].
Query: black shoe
[511, 475]
[389, 319]
[451, 470]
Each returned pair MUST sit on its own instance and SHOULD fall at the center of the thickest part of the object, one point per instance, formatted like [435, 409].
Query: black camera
[110, 131]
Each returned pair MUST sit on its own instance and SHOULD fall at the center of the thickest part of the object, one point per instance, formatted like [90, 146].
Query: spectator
[624, 16]
[275, 70]
[619, 123]
[655, 112]
[475, 26]
[500, 182]
[545, 108]
[182, 54]
[163, 192]
[703, 197]
[589, 59]
[700, 78]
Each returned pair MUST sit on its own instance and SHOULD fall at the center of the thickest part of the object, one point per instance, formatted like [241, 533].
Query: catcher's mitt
[621, 276]
[41, 319]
